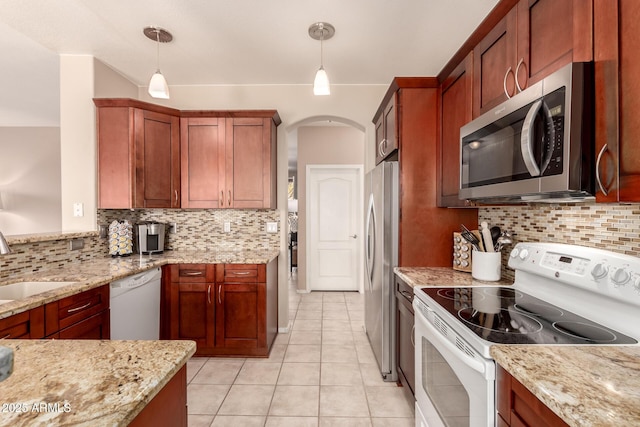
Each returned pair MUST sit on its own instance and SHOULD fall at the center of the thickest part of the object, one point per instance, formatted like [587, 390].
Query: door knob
[355, 236]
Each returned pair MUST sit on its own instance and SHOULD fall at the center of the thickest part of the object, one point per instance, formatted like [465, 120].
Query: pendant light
[158, 87]
[321, 31]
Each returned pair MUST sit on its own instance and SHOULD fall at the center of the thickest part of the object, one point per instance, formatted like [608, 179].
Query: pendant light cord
[158, 50]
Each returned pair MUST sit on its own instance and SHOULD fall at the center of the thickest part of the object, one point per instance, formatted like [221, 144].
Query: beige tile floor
[322, 373]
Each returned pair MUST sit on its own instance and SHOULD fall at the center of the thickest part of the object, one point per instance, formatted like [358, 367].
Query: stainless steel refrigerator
[381, 256]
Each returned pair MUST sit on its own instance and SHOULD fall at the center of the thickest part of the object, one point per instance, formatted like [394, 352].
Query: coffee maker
[151, 237]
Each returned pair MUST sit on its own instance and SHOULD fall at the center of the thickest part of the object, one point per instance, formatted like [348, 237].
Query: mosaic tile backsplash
[197, 229]
[603, 226]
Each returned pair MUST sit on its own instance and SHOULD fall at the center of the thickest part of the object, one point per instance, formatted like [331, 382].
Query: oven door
[455, 385]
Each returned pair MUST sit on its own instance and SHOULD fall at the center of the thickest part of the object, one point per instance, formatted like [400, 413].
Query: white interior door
[334, 224]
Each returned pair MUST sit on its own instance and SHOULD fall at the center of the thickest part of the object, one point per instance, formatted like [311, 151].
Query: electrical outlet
[272, 227]
[76, 244]
[227, 227]
[78, 209]
[173, 228]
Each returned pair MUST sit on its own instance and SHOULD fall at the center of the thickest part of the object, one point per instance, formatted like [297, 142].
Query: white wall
[30, 180]
[319, 145]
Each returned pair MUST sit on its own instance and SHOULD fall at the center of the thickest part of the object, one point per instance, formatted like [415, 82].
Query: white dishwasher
[135, 306]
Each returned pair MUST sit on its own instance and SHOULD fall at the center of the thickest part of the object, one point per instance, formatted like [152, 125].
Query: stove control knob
[523, 254]
[620, 277]
[514, 252]
[599, 271]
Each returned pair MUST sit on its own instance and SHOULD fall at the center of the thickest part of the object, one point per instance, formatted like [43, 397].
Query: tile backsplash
[612, 227]
[197, 229]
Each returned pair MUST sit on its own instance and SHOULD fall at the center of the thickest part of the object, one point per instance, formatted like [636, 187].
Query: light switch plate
[272, 227]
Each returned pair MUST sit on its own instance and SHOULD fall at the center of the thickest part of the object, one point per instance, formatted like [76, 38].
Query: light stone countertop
[441, 276]
[97, 382]
[99, 271]
[584, 385]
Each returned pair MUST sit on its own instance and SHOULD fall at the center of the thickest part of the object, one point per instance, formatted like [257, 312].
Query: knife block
[462, 252]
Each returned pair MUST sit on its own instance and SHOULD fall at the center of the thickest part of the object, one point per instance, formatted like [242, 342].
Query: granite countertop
[99, 271]
[93, 382]
[441, 276]
[584, 385]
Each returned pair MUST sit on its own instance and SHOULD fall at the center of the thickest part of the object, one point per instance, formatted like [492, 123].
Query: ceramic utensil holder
[486, 266]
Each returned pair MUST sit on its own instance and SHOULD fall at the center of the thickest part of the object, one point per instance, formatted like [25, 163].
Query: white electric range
[562, 295]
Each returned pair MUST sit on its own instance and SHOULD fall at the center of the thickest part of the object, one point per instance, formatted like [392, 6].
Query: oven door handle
[439, 339]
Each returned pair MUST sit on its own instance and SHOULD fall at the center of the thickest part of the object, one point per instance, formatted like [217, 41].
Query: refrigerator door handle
[370, 242]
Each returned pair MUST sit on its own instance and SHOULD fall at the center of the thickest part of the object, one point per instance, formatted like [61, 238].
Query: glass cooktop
[509, 316]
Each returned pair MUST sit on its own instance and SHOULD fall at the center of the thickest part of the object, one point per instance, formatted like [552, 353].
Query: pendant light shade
[321, 83]
[321, 31]
[158, 87]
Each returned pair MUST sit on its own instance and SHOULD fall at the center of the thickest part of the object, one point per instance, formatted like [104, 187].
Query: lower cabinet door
[406, 348]
[240, 314]
[192, 309]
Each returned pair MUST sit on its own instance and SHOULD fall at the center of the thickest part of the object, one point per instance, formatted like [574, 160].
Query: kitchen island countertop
[86, 382]
[99, 271]
[583, 385]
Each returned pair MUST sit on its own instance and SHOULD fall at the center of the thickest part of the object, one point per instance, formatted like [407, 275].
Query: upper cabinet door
[203, 162]
[157, 148]
[552, 34]
[617, 67]
[387, 140]
[250, 163]
[455, 111]
[494, 65]
[534, 39]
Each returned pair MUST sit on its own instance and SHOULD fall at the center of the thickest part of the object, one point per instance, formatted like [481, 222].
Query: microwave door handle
[526, 139]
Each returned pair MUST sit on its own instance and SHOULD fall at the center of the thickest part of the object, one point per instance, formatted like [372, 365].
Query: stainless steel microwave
[536, 146]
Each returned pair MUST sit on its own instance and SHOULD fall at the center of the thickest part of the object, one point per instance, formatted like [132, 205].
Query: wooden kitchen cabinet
[227, 309]
[420, 219]
[455, 112]
[617, 67]
[80, 316]
[138, 155]
[202, 143]
[517, 406]
[168, 407]
[229, 159]
[386, 131]
[191, 305]
[405, 350]
[534, 39]
[26, 325]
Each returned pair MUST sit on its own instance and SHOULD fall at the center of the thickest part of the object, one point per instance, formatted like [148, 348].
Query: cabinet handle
[176, 193]
[239, 273]
[191, 273]
[209, 294]
[504, 83]
[383, 145]
[598, 180]
[8, 335]
[219, 294]
[229, 197]
[413, 338]
[515, 76]
[407, 295]
[73, 310]
[221, 197]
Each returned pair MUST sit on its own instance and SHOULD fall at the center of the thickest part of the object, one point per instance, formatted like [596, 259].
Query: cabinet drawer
[29, 324]
[67, 311]
[249, 273]
[404, 292]
[95, 327]
[193, 273]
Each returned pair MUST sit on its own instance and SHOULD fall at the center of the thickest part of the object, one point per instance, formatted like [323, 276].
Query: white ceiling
[229, 42]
